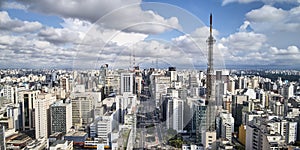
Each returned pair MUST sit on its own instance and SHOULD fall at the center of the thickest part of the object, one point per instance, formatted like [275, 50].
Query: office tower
[104, 128]
[164, 107]
[2, 138]
[127, 83]
[10, 94]
[61, 117]
[103, 74]
[172, 74]
[82, 110]
[242, 83]
[42, 115]
[231, 86]
[210, 134]
[160, 85]
[199, 118]
[175, 116]
[27, 101]
[195, 79]
[236, 110]
[64, 83]
[226, 125]
[13, 112]
[288, 91]
[258, 138]
[291, 133]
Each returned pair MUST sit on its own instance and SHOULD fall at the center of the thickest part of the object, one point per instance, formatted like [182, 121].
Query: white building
[227, 125]
[13, 114]
[160, 85]
[64, 83]
[105, 126]
[10, 94]
[42, 115]
[288, 91]
[82, 110]
[61, 117]
[127, 83]
[266, 133]
[175, 112]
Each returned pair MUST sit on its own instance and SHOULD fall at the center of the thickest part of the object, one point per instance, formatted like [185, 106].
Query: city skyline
[249, 34]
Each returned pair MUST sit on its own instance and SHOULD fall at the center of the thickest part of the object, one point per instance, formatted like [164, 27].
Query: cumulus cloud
[15, 25]
[13, 5]
[251, 48]
[58, 36]
[195, 46]
[267, 13]
[243, 28]
[225, 2]
[244, 41]
[117, 14]
[277, 24]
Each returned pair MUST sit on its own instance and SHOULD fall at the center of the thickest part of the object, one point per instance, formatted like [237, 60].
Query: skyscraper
[2, 138]
[64, 83]
[27, 104]
[127, 82]
[61, 117]
[42, 116]
[175, 111]
[199, 108]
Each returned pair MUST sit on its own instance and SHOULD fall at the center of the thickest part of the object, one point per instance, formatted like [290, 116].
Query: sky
[262, 34]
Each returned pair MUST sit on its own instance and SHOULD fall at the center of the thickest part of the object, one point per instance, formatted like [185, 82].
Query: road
[148, 119]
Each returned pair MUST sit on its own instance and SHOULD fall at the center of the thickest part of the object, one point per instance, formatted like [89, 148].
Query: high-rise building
[199, 118]
[172, 74]
[42, 115]
[2, 138]
[265, 133]
[104, 128]
[236, 110]
[61, 117]
[10, 94]
[160, 85]
[103, 74]
[64, 83]
[27, 101]
[82, 110]
[226, 125]
[127, 83]
[288, 91]
[175, 114]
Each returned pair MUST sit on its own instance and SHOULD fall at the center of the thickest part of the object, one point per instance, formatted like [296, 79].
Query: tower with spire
[210, 133]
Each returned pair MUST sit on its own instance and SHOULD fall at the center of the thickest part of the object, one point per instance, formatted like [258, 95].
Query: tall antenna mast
[210, 95]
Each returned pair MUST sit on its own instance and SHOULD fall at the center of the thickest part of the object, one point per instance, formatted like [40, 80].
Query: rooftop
[76, 133]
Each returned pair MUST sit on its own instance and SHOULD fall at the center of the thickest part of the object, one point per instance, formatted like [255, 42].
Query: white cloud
[267, 13]
[15, 25]
[244, 41]
[118, 14]
[277, 24]
[13, 5]
[59, 36]
[243, 28]
[225, 2]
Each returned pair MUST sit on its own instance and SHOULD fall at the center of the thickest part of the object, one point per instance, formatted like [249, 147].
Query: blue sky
[55, 34]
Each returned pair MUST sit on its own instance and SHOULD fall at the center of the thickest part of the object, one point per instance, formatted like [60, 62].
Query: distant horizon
[230, 67]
